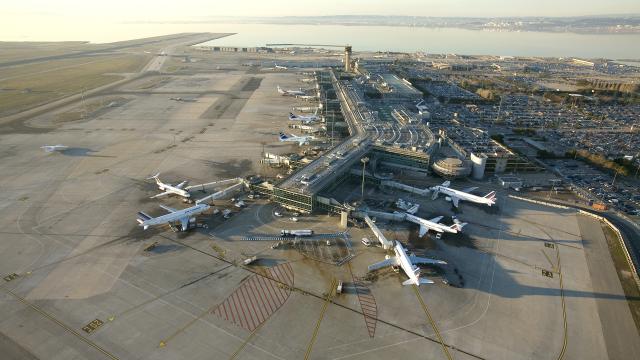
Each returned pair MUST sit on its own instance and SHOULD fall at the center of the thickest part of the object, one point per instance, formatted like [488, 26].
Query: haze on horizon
[126, 10]
[66, 20]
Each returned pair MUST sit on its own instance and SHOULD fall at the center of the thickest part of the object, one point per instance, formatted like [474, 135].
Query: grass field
[27, 91]
[10, 51]
[624, 274]
[41, 68]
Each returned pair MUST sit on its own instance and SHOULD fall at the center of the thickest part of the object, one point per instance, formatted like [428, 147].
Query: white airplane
[456, 195]
[434, 224]
[183, 99]
[52, 148]
[184, 191]
[168, 189]
[306, 109]
[284, 92]
[306, 97]
[174, 216]
[307, 80]
[407, 263]
[308, 129]
[280, 67]
[301, 140]
[304, 118]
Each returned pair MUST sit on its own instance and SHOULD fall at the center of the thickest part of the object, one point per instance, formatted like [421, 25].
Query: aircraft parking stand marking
[367, 304]
[259, 297]
[553, 268]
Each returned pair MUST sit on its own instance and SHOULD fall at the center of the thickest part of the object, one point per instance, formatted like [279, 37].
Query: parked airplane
[304, 118]
[435, 225]
[306, 97]
[301, 140]
[168, 189]
[456, 195]
[407, 263]
[175, 216]
[308, 129]
[185, 191]
[306, 109]
[307, 80]
[280, 67]
[183, 99]
[52, 148]
[284, 92]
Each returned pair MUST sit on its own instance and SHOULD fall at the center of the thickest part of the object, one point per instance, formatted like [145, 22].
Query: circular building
[452, 168]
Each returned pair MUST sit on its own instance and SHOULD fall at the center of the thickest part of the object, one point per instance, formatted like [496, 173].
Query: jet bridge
[407, 188]
[386, 244]
[224, 192]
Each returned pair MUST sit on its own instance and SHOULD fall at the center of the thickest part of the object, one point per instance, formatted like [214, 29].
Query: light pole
[364, 161]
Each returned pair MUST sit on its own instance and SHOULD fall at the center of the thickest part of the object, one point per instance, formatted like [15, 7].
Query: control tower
[347, 58]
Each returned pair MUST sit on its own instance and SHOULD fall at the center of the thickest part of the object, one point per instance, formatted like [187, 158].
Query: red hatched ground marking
[257, 298]
[367, 304]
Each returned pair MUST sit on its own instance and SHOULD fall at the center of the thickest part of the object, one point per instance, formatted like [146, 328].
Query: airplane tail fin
[458, 226]
[491, 196]
[283, 136]
[446, 183]
[142, 217]
[409, 282]
[154, 176]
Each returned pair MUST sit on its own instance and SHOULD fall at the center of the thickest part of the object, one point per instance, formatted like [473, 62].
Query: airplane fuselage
[406, 264]
[430, 224]
[464, 196]
[174, 190]
[176, 216]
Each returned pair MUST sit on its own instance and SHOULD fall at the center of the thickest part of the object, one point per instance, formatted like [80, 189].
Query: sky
[113, 20]
[158, 10]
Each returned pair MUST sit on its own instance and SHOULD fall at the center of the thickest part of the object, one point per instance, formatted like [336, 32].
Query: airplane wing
[182, 184]
[423, 230]
[436, 219]
[168, 208]
[420, 281]
[420, 260]
[384, 263]
[409, 282]
[161, 195]
[184, 222]
[469, 189]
